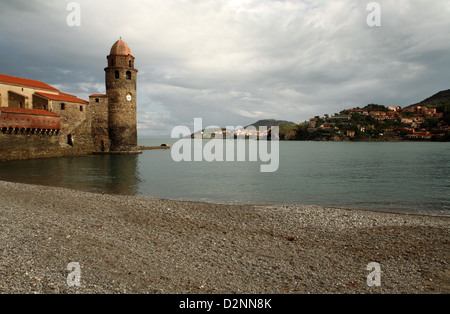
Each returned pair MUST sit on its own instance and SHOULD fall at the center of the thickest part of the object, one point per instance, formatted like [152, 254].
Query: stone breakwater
[141, 245]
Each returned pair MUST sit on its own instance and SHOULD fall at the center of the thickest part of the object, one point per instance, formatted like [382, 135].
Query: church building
[42, 121]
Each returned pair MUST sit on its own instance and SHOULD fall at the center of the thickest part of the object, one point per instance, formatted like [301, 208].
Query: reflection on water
[108, 174]
[406, 177]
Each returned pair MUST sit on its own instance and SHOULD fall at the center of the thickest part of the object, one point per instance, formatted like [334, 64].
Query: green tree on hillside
[430, 123]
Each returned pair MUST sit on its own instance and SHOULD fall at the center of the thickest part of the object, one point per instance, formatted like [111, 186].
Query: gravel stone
[127, 244]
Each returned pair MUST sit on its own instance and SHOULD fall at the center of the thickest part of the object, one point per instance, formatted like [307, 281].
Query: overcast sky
[233, 62]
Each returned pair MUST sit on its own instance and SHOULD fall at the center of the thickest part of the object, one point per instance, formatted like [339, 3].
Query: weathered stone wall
[17, 146]
[71, 113]
[98, 111]
[40, 103]
[16, 100]
[71, 116]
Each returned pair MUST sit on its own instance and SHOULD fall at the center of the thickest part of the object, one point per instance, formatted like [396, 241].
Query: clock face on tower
[129, 98]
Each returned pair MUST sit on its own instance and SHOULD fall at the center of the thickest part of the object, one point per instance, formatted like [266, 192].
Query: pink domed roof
[120, 48]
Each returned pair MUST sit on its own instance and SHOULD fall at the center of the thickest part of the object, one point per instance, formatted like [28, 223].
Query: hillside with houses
[428, 120]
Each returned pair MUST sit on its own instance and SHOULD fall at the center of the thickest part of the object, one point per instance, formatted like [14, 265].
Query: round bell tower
[121, 80]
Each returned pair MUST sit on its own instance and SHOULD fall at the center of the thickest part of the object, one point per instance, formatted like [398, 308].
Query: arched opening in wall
[130, 64]
[70, 139]
[128, 75]
[81, 108]
[97, 100]
[116, 74]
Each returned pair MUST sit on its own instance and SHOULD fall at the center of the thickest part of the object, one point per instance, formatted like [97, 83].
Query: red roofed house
[420, 135]
[377, 113]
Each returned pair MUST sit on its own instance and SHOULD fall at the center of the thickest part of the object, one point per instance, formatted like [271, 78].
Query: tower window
[112, 62]
[81, 108]
[128, 75]
[63, 106]
[70, 139]
[116, 74]
[130, 64]
[97, 100]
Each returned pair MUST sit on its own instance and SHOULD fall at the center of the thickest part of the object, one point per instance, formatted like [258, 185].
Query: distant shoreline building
[38, 120]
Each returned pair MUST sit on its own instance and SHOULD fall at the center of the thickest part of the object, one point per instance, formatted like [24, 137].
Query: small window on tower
[112, 62]
[128, 75]
[97, 100]
[70, 139]
[130, 64]
[63, 106]
[81, 108]
[117, 74]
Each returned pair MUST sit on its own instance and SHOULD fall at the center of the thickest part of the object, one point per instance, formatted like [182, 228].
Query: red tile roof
[25, 82]
[120, 48]
[63, 97]
[29, 111]
[65, 94]
[97, 95]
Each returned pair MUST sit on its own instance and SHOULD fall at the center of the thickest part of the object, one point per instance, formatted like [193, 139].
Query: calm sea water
[400, 177]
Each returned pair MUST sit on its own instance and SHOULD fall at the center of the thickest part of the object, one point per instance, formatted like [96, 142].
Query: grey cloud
[233, 62]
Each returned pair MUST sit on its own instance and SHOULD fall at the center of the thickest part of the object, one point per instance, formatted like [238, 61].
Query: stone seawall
[33, 146]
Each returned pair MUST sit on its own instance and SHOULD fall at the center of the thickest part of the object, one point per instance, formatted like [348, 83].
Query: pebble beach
[131, 244]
